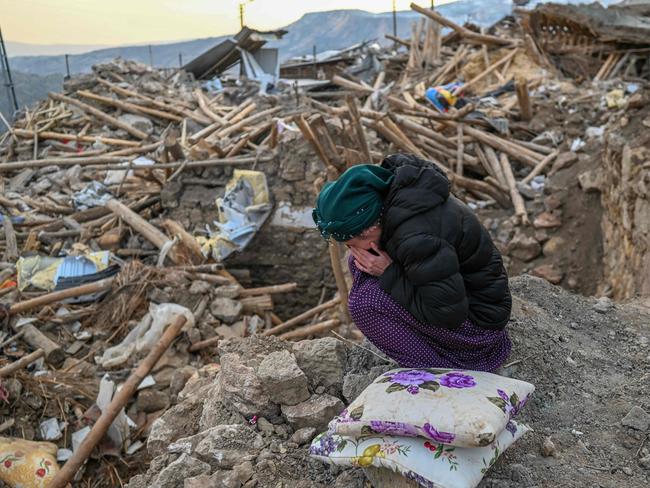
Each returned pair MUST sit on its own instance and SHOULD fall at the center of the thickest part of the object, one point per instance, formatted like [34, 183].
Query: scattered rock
[170, 194]
[521, 474]
[179, 421]
[150, 400]
[220, 479]
[179, 379]
[552, 202]
[315, 412]
[241, 388]
[644, 462]
[548, 448]
[226, 446]
[323, 361]
[202, 481]
[139, 122]
[226, 309]
[193, 335]
[352, 478]
[541, 236]
[526, 191]
[553, 246]
[227, 291]
[215, 410]
[199, 287]
[547, 220]
[355, 383]
[603, 305]
[184, 467]
[13, 389]
[244, 471]
[283, 380]
[303, 436]
[265, 426]
[591, 180]
[524, 247]
[549, 272]
[637, 418]
[563, 160]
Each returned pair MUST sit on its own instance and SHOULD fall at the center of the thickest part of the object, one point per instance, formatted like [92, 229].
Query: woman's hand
[368, 262]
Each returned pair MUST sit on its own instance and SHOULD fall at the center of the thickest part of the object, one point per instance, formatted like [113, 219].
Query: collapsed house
[120, 197]
[592, 41]
[246, 48]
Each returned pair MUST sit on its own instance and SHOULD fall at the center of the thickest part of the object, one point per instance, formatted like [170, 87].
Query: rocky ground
[249, 423]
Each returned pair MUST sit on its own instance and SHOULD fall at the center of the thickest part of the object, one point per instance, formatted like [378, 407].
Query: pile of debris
[94, 269]
[125, 109]
[249, 423]
[501, 135]
[106, 192]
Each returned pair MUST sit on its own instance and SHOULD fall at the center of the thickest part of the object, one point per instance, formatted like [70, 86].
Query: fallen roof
[616, 24]
[226, 54]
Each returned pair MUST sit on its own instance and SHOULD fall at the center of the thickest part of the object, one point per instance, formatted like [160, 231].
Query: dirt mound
[258, 413]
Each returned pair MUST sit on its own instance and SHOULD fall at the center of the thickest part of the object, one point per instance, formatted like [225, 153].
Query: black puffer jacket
[445, 267]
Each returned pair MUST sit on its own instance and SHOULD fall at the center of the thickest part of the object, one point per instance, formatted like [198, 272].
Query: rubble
[129, 163]
[637, 419]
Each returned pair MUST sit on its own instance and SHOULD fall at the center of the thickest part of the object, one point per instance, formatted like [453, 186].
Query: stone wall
[625, 193]
[286, 251]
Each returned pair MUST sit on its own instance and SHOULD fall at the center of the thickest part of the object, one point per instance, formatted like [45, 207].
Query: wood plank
[138, 134]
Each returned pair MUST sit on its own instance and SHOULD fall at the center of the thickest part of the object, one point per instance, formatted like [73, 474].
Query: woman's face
[363, 240]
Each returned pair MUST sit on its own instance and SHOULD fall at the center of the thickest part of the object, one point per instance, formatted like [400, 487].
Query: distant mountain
[326, 30]
[27, 49]
[29, 88]
[335, 29]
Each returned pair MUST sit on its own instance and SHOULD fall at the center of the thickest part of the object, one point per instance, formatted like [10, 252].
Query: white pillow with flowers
[429, 463]
[454, 407]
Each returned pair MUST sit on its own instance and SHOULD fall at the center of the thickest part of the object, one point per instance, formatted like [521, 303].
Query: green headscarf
[352, 203]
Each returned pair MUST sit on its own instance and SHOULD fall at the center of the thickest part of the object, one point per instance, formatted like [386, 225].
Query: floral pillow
[431, 464]
[27, 464]
[459, 408]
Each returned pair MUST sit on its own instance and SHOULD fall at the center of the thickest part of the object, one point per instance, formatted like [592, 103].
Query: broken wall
[287, 248]
[625, 194]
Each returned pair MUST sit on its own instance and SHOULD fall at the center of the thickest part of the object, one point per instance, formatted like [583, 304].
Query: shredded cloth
[413, 344]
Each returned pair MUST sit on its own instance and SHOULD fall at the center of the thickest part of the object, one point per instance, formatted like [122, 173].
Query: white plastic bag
[147, 333]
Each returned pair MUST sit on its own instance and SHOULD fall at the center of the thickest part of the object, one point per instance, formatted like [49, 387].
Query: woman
[429, 289]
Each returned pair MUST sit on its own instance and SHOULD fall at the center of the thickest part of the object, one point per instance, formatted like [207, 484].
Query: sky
[119, 22]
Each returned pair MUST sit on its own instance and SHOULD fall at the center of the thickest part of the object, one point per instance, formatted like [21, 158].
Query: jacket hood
[415, 190]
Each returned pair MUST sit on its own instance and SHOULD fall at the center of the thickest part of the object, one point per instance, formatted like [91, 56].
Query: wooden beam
[335, 259]
[465, 87]
[515, 196]
[462, 31]
[309, 330]
[302, 317]
[144, 228]
[21, 363]
[57, 136]
[11, 244]
[138, 134]
[540, 167]
[119, 401]
[523, 99]
[57, 296]
[355, 118]
[129, 107]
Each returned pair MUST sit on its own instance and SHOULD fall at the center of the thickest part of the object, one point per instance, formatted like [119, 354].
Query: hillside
[327, 30]
[29, 89]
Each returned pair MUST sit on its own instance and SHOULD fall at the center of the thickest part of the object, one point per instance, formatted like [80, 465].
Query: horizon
[189, 20]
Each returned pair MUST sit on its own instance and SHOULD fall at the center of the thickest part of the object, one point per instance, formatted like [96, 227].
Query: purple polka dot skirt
[413, 344]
